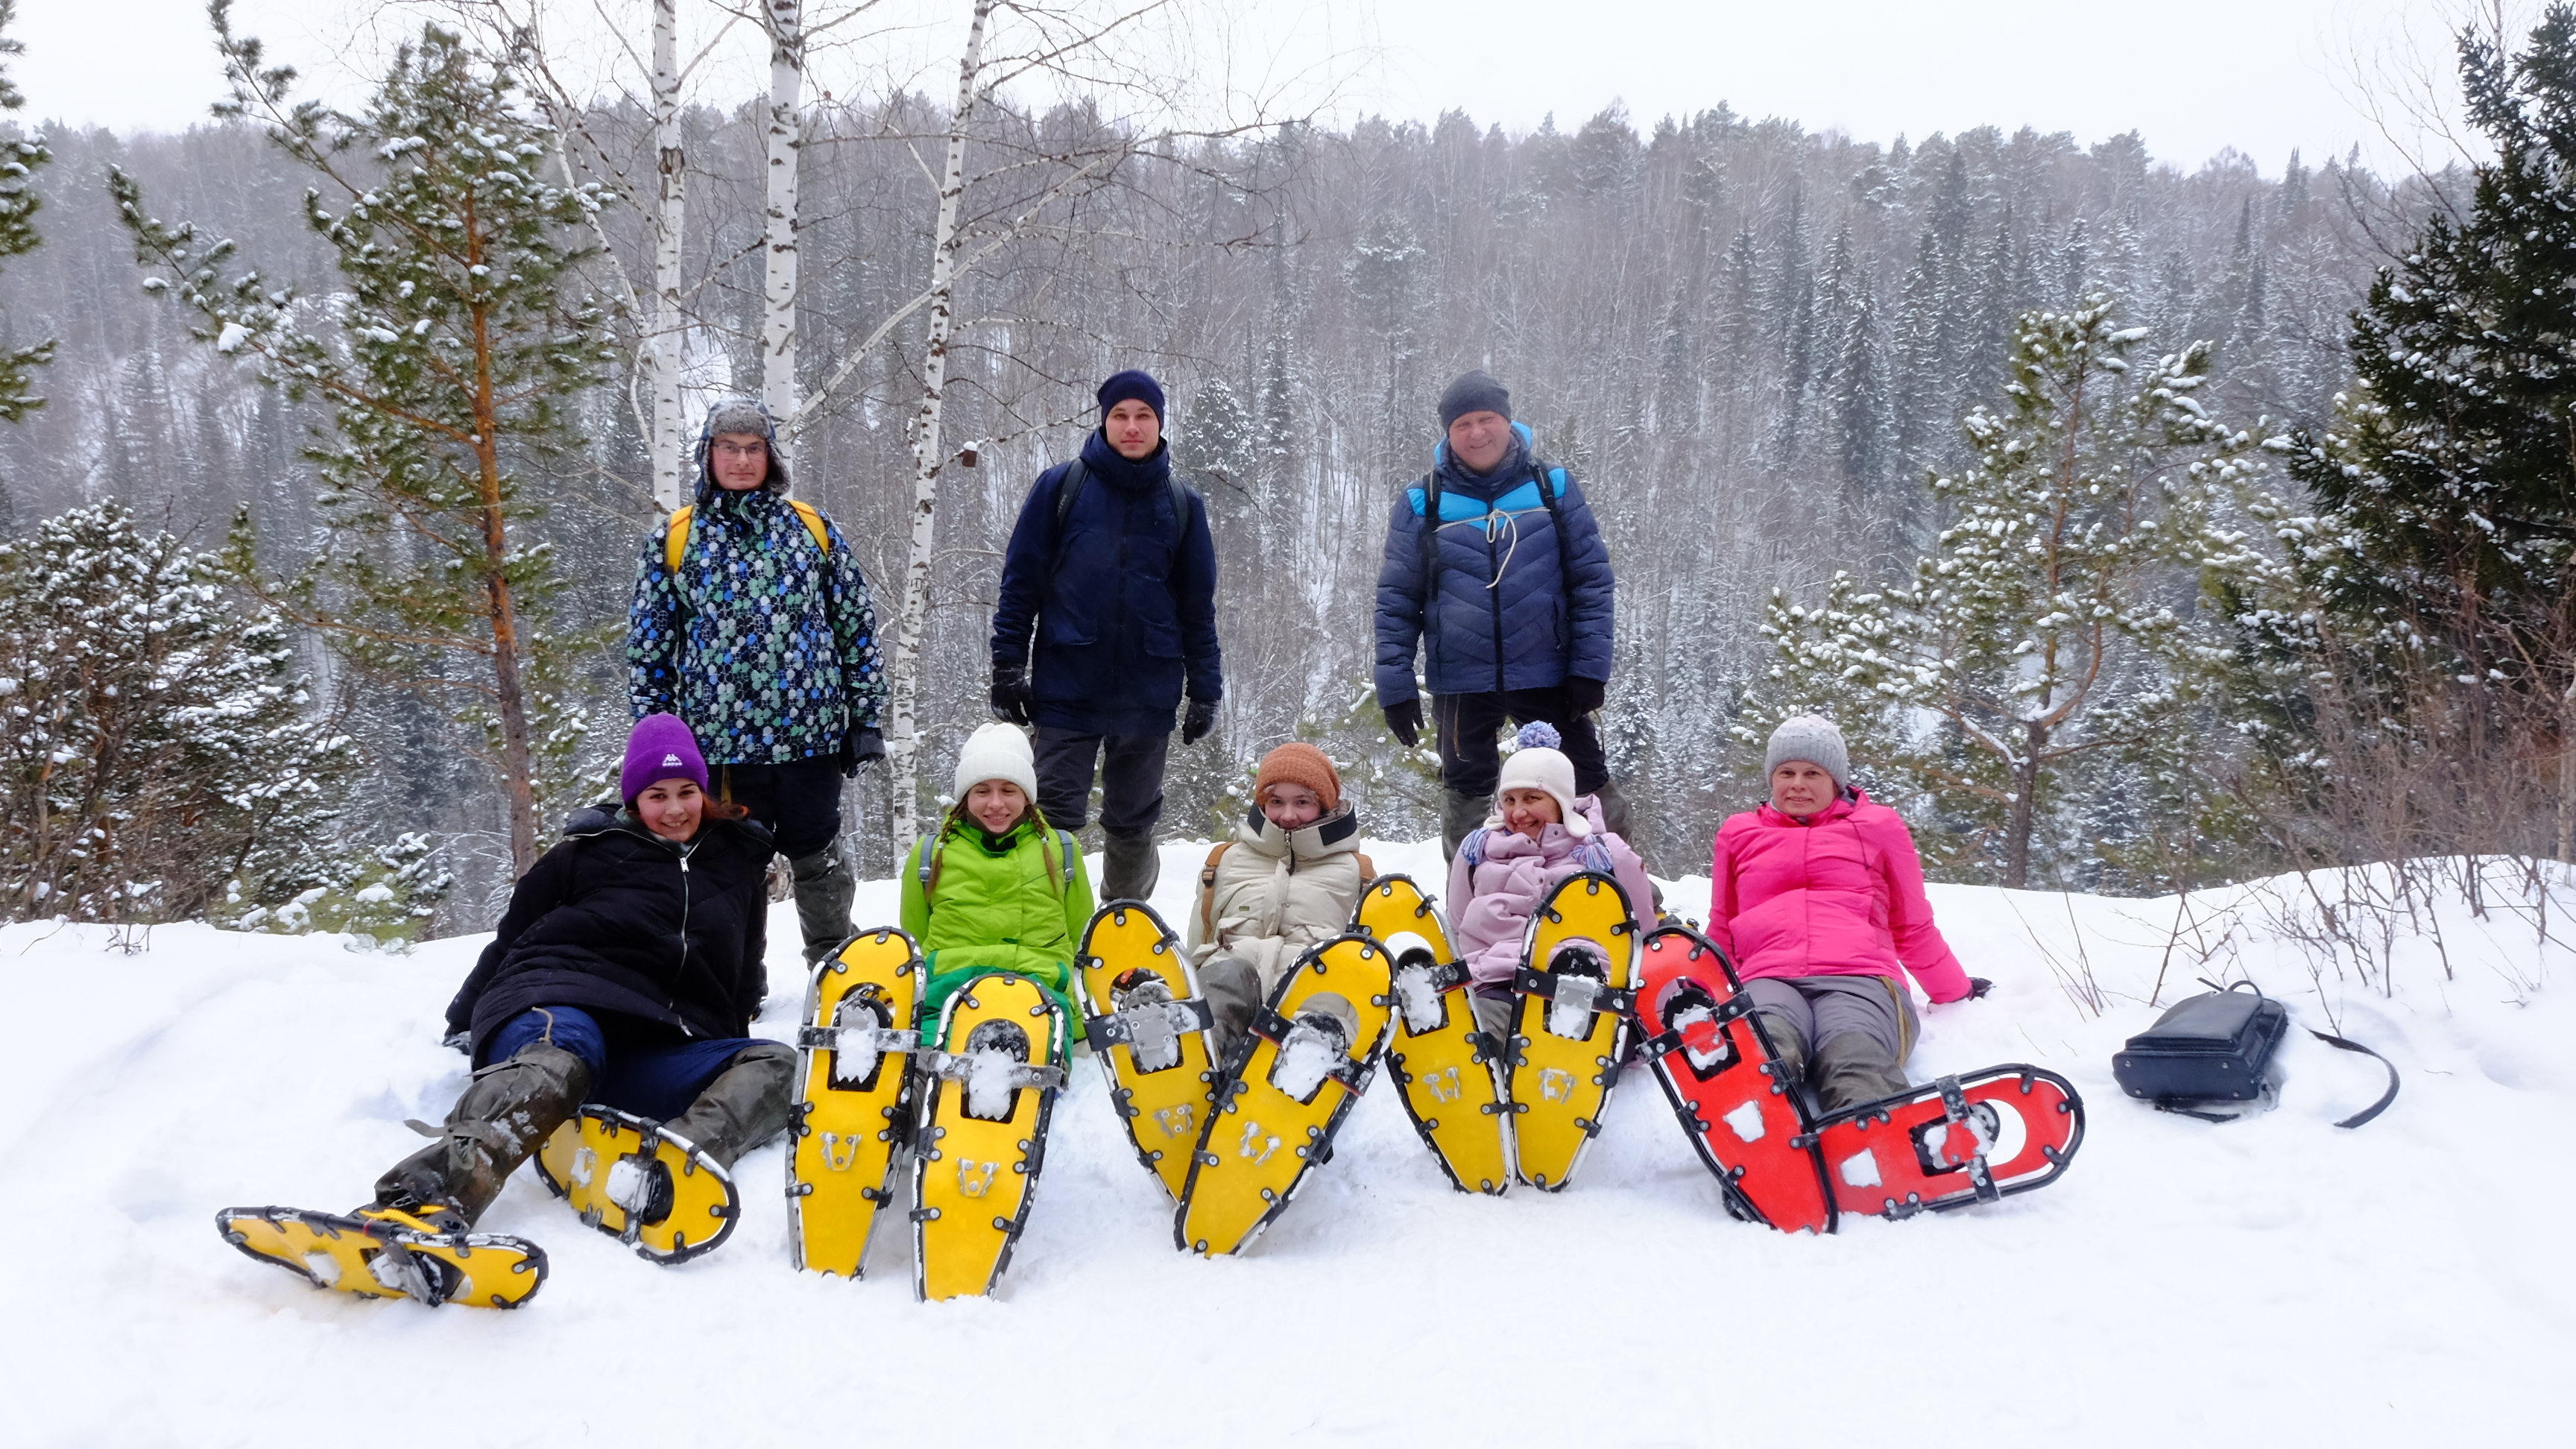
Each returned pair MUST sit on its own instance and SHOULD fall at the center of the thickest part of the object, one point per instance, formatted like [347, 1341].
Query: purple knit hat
[660, 749]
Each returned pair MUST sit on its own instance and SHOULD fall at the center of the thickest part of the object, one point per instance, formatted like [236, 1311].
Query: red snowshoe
[1966, 1139]
[1710, 1051]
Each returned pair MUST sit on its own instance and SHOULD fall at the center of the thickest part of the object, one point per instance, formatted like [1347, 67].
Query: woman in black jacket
[626, 972]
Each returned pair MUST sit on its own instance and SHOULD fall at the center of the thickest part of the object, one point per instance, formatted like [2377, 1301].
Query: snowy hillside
[2274, 1281]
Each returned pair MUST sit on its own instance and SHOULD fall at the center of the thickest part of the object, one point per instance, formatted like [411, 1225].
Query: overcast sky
[2193, 76]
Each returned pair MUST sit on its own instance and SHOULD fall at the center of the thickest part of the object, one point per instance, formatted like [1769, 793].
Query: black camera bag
[2208, 1048]
[2215, 1047]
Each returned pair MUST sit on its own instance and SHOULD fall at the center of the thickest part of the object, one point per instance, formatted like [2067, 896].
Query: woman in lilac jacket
[1540, 833]
[1817, 897]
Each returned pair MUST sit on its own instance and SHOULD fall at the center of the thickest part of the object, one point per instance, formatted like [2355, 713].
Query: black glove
[1978, 986]
[1013, 701]
[865, 744]
[1404, 721]
[1585, 695]
[1200, 719]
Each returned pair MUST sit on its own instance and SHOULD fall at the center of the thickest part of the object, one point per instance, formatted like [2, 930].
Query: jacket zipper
[674, 1004]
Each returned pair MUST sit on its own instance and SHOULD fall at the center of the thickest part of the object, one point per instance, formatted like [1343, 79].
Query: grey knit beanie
[1473, 392]
[1811, 738]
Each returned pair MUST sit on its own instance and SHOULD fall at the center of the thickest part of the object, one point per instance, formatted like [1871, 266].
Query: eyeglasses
[741, 452]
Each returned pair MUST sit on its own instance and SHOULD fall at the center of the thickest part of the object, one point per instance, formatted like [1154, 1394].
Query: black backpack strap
[1540, 472]
[1430, 486]
[1066, 490]
[2375, 1108]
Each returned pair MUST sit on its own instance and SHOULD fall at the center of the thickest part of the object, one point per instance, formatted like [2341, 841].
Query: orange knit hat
[1297, 763]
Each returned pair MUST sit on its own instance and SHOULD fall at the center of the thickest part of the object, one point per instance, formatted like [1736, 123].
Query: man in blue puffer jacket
[1495, 566]
[1112, 568]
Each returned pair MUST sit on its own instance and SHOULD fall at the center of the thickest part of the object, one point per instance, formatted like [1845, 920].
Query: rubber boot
[507, 1112]
[1232, 990]
[1460, 813]
[743, 1107]
[1130, 868]
[1853, 1068]
[1614, 811]
[825, 886]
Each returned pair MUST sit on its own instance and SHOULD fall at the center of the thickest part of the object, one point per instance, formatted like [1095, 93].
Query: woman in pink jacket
[1540, 833]
[1817, 898]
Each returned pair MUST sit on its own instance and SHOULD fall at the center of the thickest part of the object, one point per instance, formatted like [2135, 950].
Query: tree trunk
[509, 694]
[785, 20]
[903, 739]
[2567, 776]
[2017, 827]
[670, 211]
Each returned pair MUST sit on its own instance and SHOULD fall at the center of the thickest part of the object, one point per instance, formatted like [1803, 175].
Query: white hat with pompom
[1539, 765]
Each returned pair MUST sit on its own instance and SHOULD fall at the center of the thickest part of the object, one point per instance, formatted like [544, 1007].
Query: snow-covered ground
[2274, 1281]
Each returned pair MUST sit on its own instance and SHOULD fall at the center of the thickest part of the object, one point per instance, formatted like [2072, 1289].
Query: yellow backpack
[675, 540]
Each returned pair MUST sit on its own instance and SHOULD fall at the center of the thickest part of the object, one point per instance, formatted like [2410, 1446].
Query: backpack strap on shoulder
[813, 520]
[675, 538]
[1207, 891]
[1368, 867]
[1066, 854]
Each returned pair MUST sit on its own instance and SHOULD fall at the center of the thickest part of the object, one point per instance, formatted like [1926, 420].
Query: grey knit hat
[742, 415]
[1473, 392]
[1811, 738]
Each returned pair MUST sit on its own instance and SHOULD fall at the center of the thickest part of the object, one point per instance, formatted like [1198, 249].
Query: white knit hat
[1539, 765]
[1811, 738]
[997, 752]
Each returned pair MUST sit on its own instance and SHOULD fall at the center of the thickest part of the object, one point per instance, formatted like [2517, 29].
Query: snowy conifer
[163, 761]
[18, 205]
[452, 362]
[2051, 618]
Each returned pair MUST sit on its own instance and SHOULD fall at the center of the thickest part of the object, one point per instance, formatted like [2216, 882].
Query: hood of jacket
[1330, 834]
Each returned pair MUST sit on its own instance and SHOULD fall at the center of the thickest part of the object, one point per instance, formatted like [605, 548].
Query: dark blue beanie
[1135, 384]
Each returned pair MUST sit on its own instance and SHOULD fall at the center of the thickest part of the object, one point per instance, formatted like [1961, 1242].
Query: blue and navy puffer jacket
[1121, 600]
[1497, 600]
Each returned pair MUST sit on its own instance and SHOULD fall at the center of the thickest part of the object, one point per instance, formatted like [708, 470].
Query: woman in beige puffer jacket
[1289, 879]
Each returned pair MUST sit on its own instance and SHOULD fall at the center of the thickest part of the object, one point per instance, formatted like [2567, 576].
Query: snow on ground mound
[2271, 1281]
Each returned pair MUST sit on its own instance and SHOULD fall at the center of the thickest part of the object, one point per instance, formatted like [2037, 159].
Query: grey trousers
[1820, 1008]
[1131, 779]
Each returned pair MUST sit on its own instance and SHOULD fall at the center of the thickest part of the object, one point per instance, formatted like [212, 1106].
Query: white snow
[1304, 1059]
[2272, 1281]
[1745, 1121]
[991, 1076]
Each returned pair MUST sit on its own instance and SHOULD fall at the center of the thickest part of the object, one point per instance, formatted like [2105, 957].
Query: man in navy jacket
[1112, 568]
[1495, 566]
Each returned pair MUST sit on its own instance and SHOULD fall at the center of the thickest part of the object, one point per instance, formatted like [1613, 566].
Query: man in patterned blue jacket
[752, 624]
[1495, 567]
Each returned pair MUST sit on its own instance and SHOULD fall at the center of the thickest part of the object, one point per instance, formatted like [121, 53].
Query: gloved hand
[1404, 721]
[1585, 695]
[1013, 701]
[1978, 986]
[1200, 719]
[866, 743]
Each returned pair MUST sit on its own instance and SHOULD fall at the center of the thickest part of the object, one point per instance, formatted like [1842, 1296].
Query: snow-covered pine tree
[2048, 622]
[2447, 483]
[18, 206]
[164, 760]
[459, 352]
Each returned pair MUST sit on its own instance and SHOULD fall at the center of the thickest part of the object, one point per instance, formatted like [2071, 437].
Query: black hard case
[2210, 1048]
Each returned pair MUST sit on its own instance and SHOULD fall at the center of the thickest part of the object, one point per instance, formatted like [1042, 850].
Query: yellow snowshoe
[385, 1253]
[854, 1109]
[1149, 1027]
[1290, 1083]
[633, 1180]
[983, 1132]
[1444, 1068]
[1577, 987]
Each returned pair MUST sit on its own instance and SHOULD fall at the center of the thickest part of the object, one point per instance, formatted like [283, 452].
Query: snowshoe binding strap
[1351, 1076]
[958, 1066]
[1564, 989]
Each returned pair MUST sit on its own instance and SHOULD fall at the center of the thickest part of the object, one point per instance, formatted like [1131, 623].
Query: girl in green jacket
[995, 888]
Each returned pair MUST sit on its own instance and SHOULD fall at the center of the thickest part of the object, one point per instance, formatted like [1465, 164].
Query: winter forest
[2145, 528]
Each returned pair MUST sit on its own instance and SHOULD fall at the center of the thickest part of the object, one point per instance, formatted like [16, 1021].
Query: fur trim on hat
[997, 752]
[740, 415]
[1539, 765]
